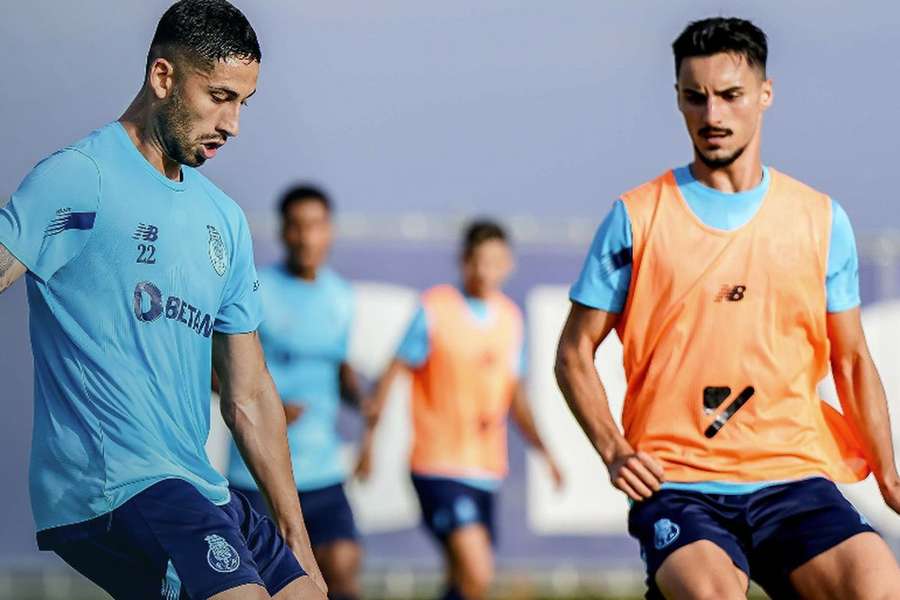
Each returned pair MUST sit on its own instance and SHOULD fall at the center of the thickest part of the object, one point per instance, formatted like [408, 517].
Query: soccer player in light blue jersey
[308, 311]
[140, 279]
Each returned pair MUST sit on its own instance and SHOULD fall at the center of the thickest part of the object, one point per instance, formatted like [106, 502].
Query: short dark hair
[721, 34]
[479, 232]
[203, 32]
[303, 192]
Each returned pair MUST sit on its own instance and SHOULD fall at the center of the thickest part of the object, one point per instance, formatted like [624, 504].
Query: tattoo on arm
[10, 268]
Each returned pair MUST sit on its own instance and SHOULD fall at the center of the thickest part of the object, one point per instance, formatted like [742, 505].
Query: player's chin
[196, 159]
[719, 157]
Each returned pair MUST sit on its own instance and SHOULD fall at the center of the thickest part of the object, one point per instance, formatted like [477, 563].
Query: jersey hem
[149, 482]
[596, 305]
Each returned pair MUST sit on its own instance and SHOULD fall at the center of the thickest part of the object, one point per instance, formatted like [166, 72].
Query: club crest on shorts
[222, 556]
[665, 532]
[217, 254]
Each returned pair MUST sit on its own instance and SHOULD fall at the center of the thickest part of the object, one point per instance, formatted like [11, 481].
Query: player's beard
[719, 162]
[173, 124]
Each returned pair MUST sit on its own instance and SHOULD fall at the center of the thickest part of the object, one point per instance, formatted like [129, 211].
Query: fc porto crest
[222, 557]
[665, 532]
[217, 254]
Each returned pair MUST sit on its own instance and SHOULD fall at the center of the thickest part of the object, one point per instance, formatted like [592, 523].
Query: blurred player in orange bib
[465, 350]
[732, 286]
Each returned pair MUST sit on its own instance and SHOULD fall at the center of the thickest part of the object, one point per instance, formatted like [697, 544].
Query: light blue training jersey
[129, 275]
[606, 274]
[305, 334]
[415, 348]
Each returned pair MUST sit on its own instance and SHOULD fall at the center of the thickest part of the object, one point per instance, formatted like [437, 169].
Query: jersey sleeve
[50, 217]
[414, 347]
[842, 280]
[241, 308]
[606, 274]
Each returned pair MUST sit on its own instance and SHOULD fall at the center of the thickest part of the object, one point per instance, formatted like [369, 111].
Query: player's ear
[766, 94]
[161, 78]
[677, 96]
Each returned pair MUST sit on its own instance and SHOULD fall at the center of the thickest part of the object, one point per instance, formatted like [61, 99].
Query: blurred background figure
[465, 349]
[308, 312]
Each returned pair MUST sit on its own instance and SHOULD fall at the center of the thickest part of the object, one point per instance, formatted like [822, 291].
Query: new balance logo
[146, 233]
[730, 293]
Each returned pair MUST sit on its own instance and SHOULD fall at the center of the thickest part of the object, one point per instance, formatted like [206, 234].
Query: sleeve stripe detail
[72, 220]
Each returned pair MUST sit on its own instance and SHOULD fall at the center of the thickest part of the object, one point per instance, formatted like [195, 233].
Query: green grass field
[65, 585]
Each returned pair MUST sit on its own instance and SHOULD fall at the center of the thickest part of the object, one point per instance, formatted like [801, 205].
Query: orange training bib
[461, 395]
[725, 342]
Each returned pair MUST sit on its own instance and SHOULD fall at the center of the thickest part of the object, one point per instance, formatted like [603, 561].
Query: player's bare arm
[10, 268]
[371, 410]
[351, 392]
[635, 473]
[524, 419]
[254, 413]
[863, 399]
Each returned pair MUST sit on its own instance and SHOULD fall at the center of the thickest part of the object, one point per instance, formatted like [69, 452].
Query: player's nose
[230, 121]
[713, 110]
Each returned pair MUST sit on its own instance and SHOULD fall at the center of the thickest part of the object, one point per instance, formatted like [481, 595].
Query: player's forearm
[581, 387]
[524, 418]
[351, 393]
[863, 399]
[10, 268]
[375, 405]
[257, 423]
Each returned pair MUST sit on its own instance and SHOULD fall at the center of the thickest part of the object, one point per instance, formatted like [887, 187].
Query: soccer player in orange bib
[732, 286]
[465, 350]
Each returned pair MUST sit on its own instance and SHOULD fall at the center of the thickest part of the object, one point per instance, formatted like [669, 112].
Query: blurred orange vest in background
[725, 340]
[461, 395]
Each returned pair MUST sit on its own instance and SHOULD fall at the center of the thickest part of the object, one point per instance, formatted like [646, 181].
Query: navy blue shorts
[326, 512]
[767, 534]
[169, 542]
[448, 504]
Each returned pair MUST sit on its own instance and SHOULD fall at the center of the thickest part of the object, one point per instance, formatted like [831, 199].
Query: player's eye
[694, 98]
[219, 97]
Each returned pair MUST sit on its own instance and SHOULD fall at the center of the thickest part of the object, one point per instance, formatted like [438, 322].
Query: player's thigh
[300, 589]
[471, 555]
[701, 570]
[859, 568]
[339, 562]
[120, 573]
[250, 591]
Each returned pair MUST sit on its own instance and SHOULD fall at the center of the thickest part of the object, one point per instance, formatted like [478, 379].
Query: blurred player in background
[140, 278]
[307, 314]
[465, 350]
[731, 285]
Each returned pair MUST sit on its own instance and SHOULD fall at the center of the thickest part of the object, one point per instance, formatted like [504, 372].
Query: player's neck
[138, 124]
[472, 292]
[740, 176]
[302, 272]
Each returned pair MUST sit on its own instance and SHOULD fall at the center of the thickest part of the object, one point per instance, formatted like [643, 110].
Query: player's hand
[292, 412]
[637, 474]
[303, 551]
[555, 472]
[890, 491]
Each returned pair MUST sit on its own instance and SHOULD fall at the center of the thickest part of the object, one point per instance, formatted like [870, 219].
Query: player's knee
[709, 588]
[474, 581]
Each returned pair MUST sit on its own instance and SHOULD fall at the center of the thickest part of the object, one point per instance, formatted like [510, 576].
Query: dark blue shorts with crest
[767, 533]
[170, 543]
